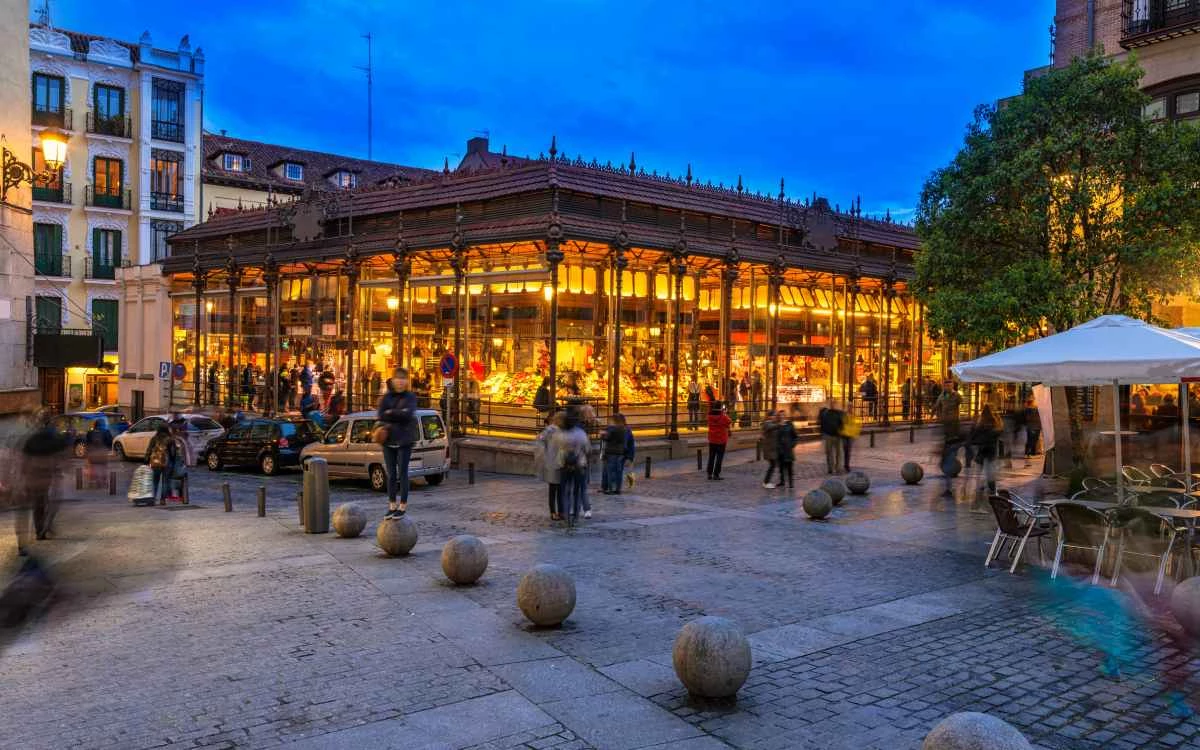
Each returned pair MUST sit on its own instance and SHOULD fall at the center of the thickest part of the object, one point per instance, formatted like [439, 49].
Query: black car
[268, 443]
[74, 428]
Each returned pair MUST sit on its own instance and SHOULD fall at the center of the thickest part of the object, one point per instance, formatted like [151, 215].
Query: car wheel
[378, 478]
[268, 464]
[80, 450]
[433, 480]
[119, 452]
[213, 461]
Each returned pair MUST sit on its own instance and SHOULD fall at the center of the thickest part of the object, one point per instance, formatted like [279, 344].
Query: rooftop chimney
[477, 145]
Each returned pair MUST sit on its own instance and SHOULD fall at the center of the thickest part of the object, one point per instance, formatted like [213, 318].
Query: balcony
[108, 198]
[54, 265]
[119, 127]
[98, 268]
[166, 130]
[53, 118]
[60, 193]
[166, 202]
[1145, 22]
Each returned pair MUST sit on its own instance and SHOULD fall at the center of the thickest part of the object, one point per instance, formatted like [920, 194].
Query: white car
[134, 443]
[350, 452]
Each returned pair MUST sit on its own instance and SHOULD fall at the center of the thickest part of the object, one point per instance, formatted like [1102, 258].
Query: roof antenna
[369, 69]
[43, 14]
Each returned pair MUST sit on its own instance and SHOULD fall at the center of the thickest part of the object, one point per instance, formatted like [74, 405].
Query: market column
[620, 263]
[554, 256]
[271, 282]
[679, 269]
[888, 293]
[919, 379]
[851, 317]
[458, 244]
[774, 281]
[234, 277]
[402, 266]
[728, 276]
[198, 283]
[352, 271]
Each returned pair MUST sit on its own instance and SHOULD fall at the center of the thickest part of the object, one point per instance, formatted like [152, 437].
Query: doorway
[52, 383]
[101, 390]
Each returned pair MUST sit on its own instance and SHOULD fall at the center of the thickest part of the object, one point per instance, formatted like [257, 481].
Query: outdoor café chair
[1094, 483]
[1161, 470]
[1140, 535]
[1017, 525]
[1078, 528]
[1134, 475]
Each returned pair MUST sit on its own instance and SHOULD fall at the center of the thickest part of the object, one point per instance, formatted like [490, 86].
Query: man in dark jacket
[397, 412]
[768, 440]
[615, 443]
[830, 420]
[785, 446]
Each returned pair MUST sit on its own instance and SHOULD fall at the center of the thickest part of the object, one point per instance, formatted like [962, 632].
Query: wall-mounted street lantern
[16, 172]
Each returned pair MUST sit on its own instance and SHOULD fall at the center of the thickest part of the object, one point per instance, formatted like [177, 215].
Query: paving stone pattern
[192, 627]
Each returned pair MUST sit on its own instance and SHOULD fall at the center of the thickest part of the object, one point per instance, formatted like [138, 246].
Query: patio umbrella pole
[1117, 437]
[1187, 439]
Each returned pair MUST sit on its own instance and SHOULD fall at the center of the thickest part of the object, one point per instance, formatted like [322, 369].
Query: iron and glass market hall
[630, 291]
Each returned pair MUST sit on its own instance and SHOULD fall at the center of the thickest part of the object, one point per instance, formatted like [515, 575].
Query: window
[159, 232]
[104, 322]
[46, 188]
[261, 432]
[1155, 109]
[149, 424]
[107, 176]
[48, 100]
[47, 249]
[166, 110]
[344, 179]
[108, 117]
[237, 163]
[297, 430]
[203, 424]
[433, 427]
[106, 253]
[49, 314]
[293, 171]
[238, 432]
[166, 189]
[336, 434]
[362, 431]
[1187, 104]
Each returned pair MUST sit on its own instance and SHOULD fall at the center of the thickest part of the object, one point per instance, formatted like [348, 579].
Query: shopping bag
[141, 485]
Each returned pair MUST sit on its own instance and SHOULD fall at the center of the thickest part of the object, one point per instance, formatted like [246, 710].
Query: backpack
[571, 460]
[158, 454]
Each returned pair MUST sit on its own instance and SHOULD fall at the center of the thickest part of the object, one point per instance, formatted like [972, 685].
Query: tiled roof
[318, 166]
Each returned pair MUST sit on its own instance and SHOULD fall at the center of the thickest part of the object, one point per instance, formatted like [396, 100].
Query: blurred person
[397, 411]
[542, 399]
[718, 437]
[984, 435]
[693, 403]
[337, 405]
[785, 446]
[325, 382]
[472, 396]
[545, 464]
[571, 445]
[1168, 407]
[906, 394]
[768, 440]
[214, 385]
[161, 455]
[851, 429]
[870, 394]
[1031, 418]
[615, 442]
[38, 465]
[829, 422]
[756, 392]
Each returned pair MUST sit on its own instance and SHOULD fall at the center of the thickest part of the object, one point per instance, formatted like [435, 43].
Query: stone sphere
[835, 488]
[970, 730]
[711, 657]
[396, 536]
[349, 520]
[464, 558]
[1185, 605]
[818, 504]
[911, 472]
[858, 483]
[546, 595]
[952, 467]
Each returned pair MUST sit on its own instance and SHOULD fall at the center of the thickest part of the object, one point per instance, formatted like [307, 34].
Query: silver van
[351, 453]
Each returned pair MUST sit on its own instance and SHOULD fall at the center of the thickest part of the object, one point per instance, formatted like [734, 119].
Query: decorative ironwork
[108, 198]
[119, 127]
[16, 172]
[166, 202]
[1147, 21]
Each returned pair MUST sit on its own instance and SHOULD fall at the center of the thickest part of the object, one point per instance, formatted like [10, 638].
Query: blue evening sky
[842, 98]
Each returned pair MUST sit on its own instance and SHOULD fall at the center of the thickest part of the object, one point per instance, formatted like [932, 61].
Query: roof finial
[632, 163]
[739, 186]
[781, 188]
[553, 147]
[446, 165]
[689, 174]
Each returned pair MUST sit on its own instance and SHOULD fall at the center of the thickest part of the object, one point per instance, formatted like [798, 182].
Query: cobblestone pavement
[191, 627]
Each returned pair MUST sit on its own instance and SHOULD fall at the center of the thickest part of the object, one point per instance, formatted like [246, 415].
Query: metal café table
[1189, 516]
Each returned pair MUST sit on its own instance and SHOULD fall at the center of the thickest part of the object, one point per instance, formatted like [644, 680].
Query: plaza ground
[192, 627]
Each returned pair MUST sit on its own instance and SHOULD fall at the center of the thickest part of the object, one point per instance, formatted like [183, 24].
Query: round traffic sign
[179, 371]
[448, 366]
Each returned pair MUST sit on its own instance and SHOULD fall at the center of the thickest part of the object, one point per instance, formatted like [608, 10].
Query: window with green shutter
[104, 322]
[47, 249]
[106, 253]
[49, 314]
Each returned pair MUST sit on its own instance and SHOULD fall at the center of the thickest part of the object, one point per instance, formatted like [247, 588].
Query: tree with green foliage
[1063, 204]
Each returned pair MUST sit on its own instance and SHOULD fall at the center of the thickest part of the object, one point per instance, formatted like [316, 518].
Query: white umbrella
[1110, 350]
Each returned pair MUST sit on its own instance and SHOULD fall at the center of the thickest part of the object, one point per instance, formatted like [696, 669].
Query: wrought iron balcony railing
[166, 202]
[60, 193]
[166, 130]
[54, 118]
[1148, 21]
[108, 198]
[55, 265]
[120, 127]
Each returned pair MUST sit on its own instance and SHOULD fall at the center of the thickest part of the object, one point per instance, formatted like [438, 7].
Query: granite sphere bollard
[1185, 605]
[546, 595]
[711, 657]
[951, 467]
[349, 520]
[971, 730]
[396, 536]
[858, 483]
[835, 488]
[818, 504]
[912, 472]
[464, 559]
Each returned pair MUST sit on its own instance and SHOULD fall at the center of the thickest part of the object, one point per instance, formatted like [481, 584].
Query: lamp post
[17, 172]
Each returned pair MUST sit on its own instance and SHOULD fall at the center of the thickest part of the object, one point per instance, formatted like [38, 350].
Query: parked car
[351, 453]
[269, 444]
[110, 409]
[74, 428]
[134, 443]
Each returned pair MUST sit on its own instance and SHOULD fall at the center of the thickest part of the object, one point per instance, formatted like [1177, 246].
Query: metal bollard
[112, 482]
[647, 467]
[227, 496]
[183, 489]
[79, 477]
[471, 473]
[699, 459]
[758, 450]
[912, 434]
[300, 506]
[872, 434]
[262, 501]
[316, 496]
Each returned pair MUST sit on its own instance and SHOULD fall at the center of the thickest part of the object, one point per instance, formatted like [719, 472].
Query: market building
[620, 286]
[130, 115]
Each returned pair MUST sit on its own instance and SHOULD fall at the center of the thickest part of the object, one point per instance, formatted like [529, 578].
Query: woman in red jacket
[718, 437]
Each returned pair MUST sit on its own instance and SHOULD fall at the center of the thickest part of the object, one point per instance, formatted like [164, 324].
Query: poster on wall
[75, 396]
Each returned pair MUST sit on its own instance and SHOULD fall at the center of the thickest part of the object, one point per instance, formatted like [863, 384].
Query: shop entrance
[101, 390]
[52, 382]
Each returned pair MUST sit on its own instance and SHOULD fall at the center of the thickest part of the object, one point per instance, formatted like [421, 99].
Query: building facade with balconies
[130, 113]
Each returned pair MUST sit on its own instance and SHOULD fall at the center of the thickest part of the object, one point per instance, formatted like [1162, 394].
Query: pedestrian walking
[693, 403]
[851, 429]
[161, 455]
[984, 435]
[616, 441]
[756, 392]
[785, 447]
[768, 445]
[571, 447]
[1033, 428]
[718, 437]
[33, 482]
[397, 411]
[829, 422]
[870, 394]
[906, 394]
[214, 385]
[545, 464]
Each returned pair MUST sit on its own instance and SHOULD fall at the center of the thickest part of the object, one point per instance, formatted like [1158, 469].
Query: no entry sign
[448, 366]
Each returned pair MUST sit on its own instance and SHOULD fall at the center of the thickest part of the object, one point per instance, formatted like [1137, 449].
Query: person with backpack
[614, 443]
[545, 464]
[571, 446]
[718, 437]
[162, 455]
[397, 413]
[767, 441]
[785, 445]
[829, 421]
